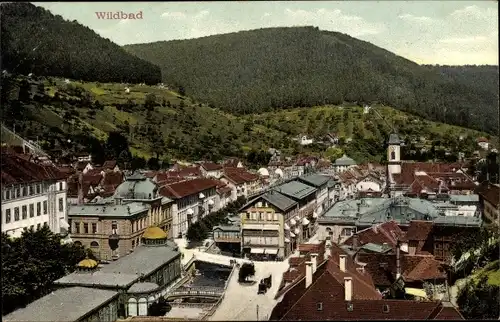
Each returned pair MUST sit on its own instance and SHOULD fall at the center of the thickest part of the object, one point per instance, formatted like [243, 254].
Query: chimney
[309, 274]
[80, 188]
[398, 259]
[314, 260]
[342, 262]
[355, 242]
[348, 288]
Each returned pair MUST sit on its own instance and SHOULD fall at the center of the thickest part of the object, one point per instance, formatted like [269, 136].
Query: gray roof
[66, 304]
[275, 198]
[458, 221]
[370, 211]
[464, 198]
[137, 187]
[143, 287]
[315, 180]
[233, 228]
[295, 189]
[127, 269]
[345, 161]
[376, 248]
[394, 139]
[108, 209]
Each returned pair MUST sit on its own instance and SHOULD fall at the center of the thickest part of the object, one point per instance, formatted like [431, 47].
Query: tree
[159, 308]
[196, 232]
[153, 164]
[246, 270]
[31, 263]
[479, 300]
[150, 101]
[116, 144]
[137, 163]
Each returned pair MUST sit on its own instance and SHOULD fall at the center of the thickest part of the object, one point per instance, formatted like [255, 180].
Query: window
[77, 227]
[133, 243]
[347, 232]
[85, 228]
[32, 227]
[114, 227]
[319, 306]
[38, 209]
[94, 244]
[60, 186]
[70, 224]
[38, 226]
[7, 194]
[386, 308]
[16, 214]
[45, 224]
[7, 216]
[32, 210]
[25, 191]
[61, 204]
[25, 212]
[18, 192]
[45, 210]
[31, 190]
[248, 215]
[94, 228]
[38, 188]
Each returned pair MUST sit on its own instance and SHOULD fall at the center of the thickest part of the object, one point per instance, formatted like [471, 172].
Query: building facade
[33, 195]
[112, 227]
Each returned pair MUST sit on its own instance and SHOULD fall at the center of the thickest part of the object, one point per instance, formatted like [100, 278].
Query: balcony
[227, 239]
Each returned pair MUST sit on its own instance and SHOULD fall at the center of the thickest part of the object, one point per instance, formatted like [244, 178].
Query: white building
[33, 195]
[194, 199]
[343, 163]
[304, 140]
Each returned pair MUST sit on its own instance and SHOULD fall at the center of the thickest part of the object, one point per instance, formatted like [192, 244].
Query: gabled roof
[315, 180]
[419, 230]
[239, 175]
[210, 166]
[186, 188]
[388, 232]
[278, 200]
[16, 170]
[295, 189]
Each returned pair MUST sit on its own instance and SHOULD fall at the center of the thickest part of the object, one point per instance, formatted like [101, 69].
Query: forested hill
[36, 41]
[268, 69]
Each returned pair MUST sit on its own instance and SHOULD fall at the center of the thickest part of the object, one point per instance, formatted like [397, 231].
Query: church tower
[393, 155]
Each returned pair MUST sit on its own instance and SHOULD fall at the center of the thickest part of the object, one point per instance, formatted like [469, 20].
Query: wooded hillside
[36, 41]
[270, 69]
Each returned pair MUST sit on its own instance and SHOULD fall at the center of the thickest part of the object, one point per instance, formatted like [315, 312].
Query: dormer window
[319, 306]
[386, 308]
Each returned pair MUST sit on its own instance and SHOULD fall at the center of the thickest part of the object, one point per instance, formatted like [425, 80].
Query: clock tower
[394, 155]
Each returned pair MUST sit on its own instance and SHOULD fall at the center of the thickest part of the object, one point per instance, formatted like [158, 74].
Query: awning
[286, 227]
[201, 195]
[305, 221]
[416, 292]
[293, 222]
[287, 240]
[296, 231]
[257, 250]
[292, 235]
[272, 251]
[63, 223]
[190, 211]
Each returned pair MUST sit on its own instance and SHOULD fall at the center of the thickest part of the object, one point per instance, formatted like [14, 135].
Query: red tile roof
[186, 188]
[16, 170]
[109, 165]
[448, 312]
[383, 267]
[210, 166]
[112, 179]
[388, 232]
[490, 193]
[239, 175]
[419, 230]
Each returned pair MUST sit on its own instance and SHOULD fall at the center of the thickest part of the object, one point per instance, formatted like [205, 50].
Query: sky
[427, 32]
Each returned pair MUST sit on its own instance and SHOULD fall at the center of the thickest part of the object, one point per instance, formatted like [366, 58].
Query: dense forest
[35, 41]
[268, 69]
